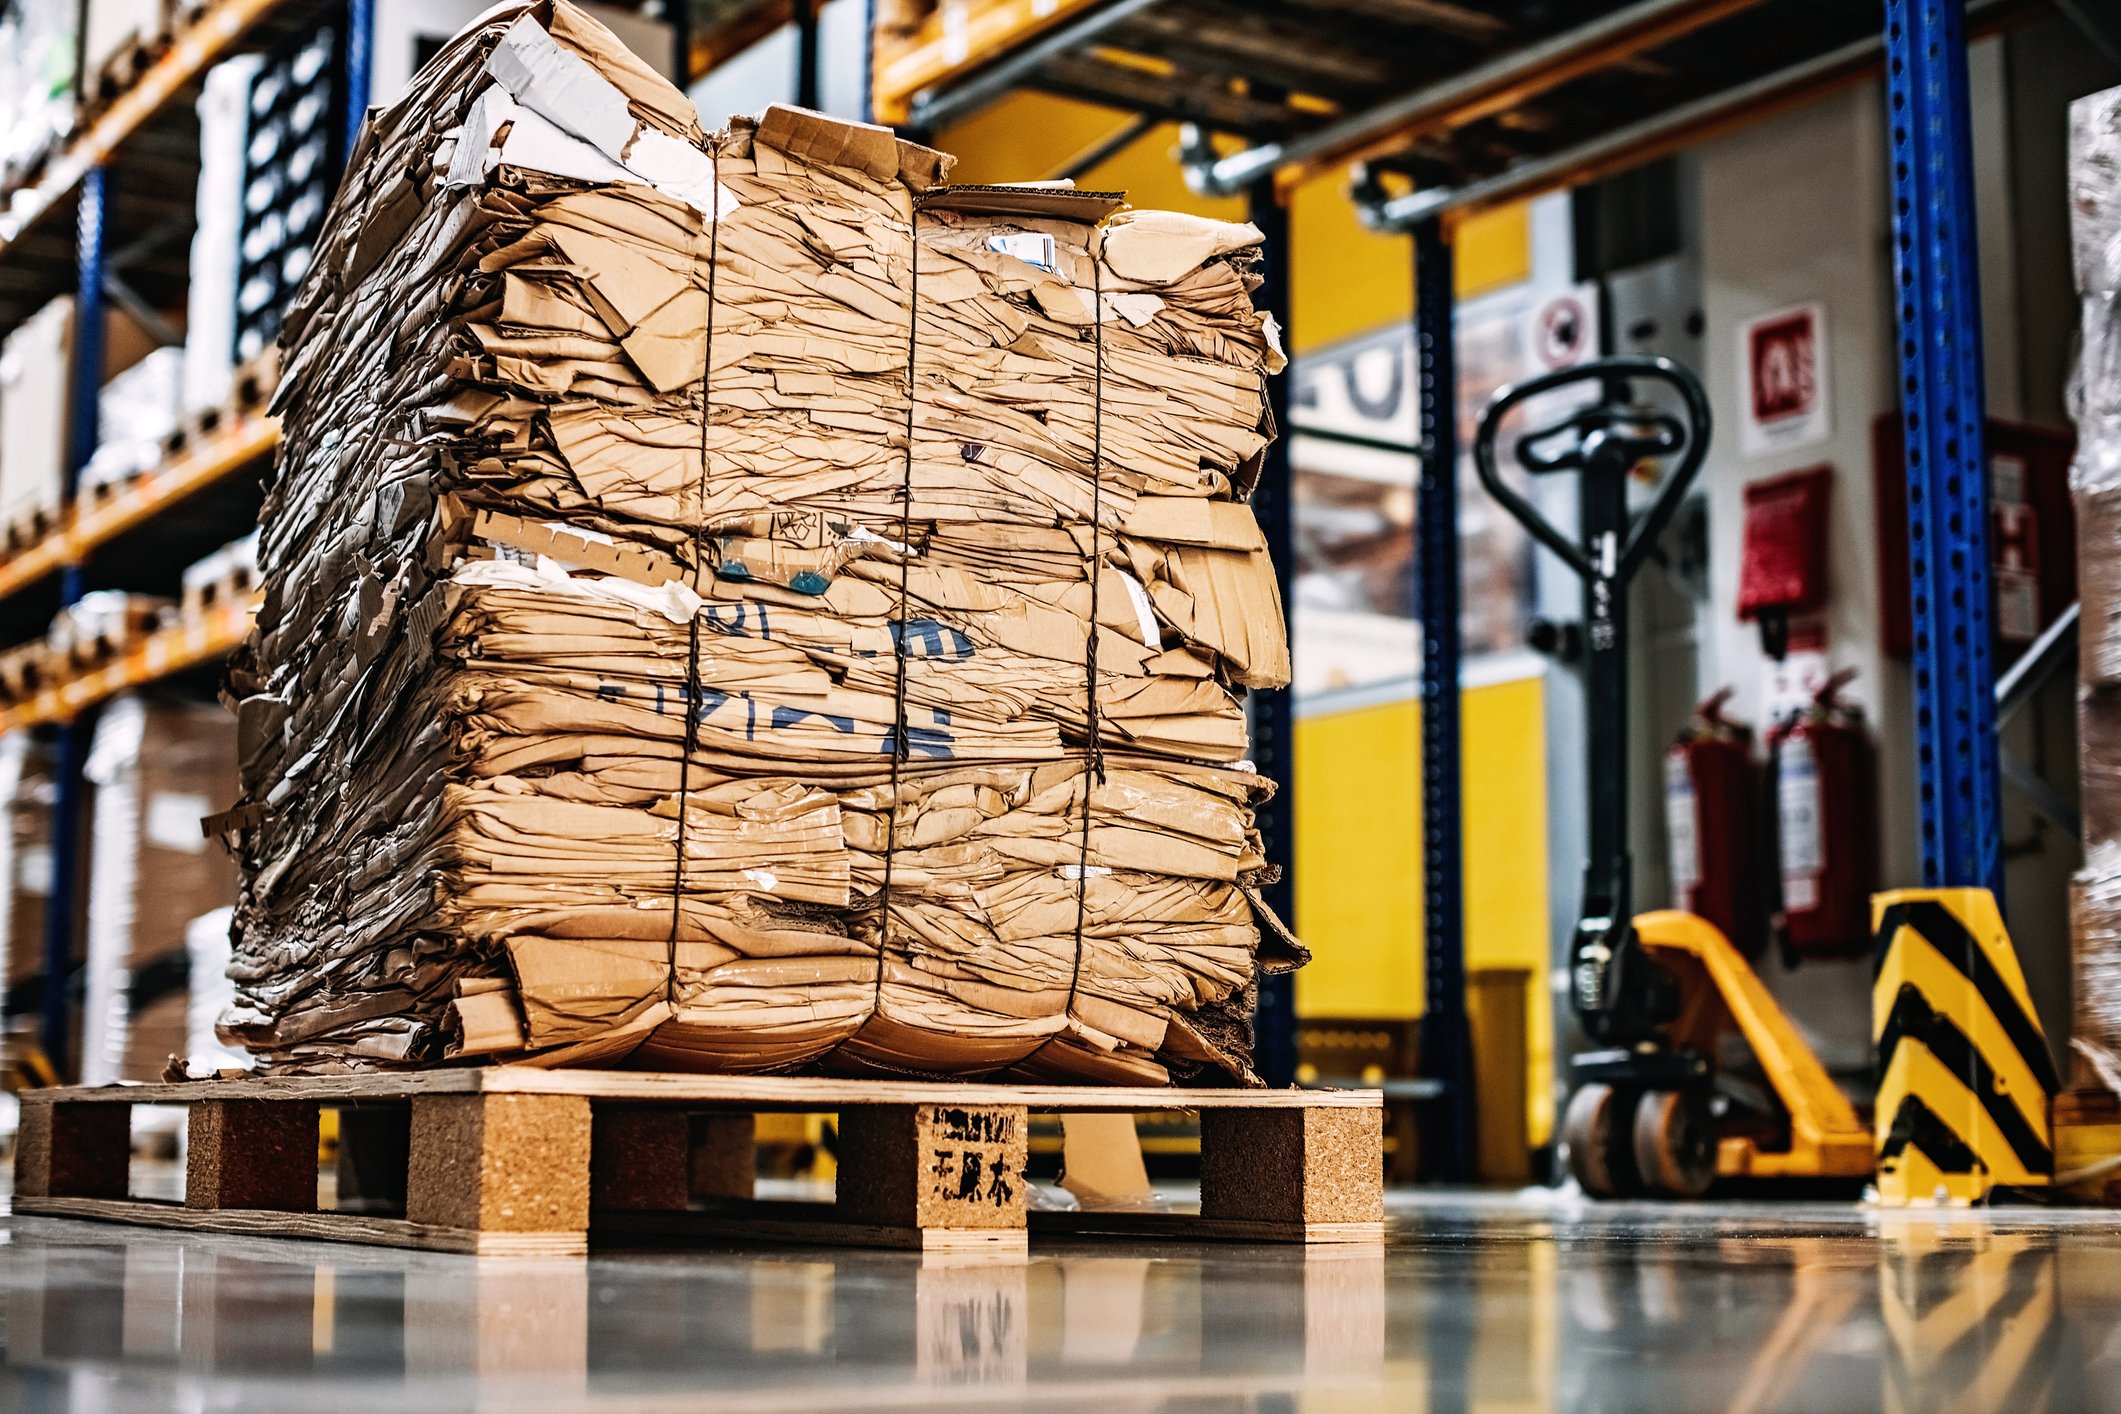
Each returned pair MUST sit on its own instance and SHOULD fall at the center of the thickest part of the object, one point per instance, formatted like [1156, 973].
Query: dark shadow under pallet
[519, 1161]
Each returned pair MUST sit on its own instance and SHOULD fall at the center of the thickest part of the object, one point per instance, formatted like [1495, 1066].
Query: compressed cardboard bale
[730, 603]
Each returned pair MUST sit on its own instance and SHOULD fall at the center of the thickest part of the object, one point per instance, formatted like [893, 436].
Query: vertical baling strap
[899, 636]
[690, 704]
[1094, 759]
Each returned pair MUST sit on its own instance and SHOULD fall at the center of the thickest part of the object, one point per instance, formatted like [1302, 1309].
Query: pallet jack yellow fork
[1718, 988]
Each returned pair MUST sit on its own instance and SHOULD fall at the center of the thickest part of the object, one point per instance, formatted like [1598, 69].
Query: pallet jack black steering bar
[1621, 999]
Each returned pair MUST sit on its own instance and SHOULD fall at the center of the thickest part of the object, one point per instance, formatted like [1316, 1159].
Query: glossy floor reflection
[1525, 1303]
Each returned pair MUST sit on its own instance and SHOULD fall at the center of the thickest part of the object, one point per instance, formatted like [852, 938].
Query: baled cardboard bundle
[735, 602]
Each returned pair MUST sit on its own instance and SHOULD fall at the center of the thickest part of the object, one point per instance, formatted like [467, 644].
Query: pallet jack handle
[1611, 436]
[1620, 999]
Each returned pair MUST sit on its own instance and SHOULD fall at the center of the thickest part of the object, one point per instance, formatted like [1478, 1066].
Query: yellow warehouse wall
[1358, 866]
[1348, 279]
[1358, 860]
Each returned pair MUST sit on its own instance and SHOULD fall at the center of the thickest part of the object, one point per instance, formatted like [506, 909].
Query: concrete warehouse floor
[1520, 1302]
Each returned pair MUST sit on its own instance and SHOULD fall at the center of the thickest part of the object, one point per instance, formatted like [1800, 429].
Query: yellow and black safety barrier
[1964, 1078]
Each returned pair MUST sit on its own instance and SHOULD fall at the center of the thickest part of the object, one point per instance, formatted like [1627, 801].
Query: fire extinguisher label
[1800, 824]
[1681, 827]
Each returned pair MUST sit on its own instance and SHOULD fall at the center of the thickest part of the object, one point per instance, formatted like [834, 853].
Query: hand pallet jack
[1655, 992]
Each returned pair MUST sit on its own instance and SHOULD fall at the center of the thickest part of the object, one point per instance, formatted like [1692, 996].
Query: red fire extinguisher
[1711, 811]
[1826, 815]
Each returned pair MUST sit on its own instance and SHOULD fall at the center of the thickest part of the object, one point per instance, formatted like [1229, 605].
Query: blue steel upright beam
[1273, 712]
[1446, 1041]
[359, 52]
[1938, 305]
[83, 430]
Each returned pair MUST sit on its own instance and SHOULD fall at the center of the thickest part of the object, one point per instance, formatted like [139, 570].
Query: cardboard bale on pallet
[158, 768]
[735, 602]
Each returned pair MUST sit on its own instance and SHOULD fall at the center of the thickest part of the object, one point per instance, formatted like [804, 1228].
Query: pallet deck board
[315, 1227]
[759, 1093]
[524, 1161]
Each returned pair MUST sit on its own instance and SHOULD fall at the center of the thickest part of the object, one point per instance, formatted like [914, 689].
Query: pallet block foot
[1297, 1167]
[492, 1164]
[933, 1168]
[638, 1158]
[725, 1156]
[252, 1154]
[76, 1150]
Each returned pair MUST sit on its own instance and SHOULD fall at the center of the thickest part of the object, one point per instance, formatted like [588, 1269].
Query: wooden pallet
[512, 1160]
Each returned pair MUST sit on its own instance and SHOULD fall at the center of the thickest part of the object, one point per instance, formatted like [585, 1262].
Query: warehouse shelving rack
[118, 198]
[1450, 108]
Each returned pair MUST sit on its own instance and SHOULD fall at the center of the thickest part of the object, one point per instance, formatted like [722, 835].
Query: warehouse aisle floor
[1488, 1303]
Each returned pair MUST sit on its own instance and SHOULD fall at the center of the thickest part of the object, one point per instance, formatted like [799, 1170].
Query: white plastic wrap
[2095, 226]
[206, 940]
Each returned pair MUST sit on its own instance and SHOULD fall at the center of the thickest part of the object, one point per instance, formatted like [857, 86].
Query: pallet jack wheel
[1601, 1149]
[1675, 1142]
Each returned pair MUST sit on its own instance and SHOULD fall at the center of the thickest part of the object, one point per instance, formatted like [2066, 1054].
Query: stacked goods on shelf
[116, 35]
[228, 575]
[27, 791]
[102, 624]
[33, 403]
[135, 413]
[210, 296]
[681, 645]
[292, 149]
[36, 86]
[2095, 480]
[158, 768]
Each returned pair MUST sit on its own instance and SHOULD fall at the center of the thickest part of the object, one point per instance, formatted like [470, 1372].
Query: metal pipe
[1273, 712]
[1446, 1040]
[1605, 153]
[1533, 69]
[84, 384]
[360, 45]
[931, 112]
[2056, 645]
[806, 54]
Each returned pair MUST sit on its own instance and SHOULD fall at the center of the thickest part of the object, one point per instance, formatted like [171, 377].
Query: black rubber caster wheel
[1675, 1142]
[1596, 1127]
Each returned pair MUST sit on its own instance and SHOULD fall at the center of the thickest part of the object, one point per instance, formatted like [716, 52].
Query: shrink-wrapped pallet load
[2095, 481]
[734, 602]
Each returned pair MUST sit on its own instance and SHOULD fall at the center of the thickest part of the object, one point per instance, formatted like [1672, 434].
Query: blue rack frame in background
[1938, 312]
[84, 386]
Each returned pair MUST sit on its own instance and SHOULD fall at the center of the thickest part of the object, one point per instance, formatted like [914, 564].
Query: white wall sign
[1782, 365]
